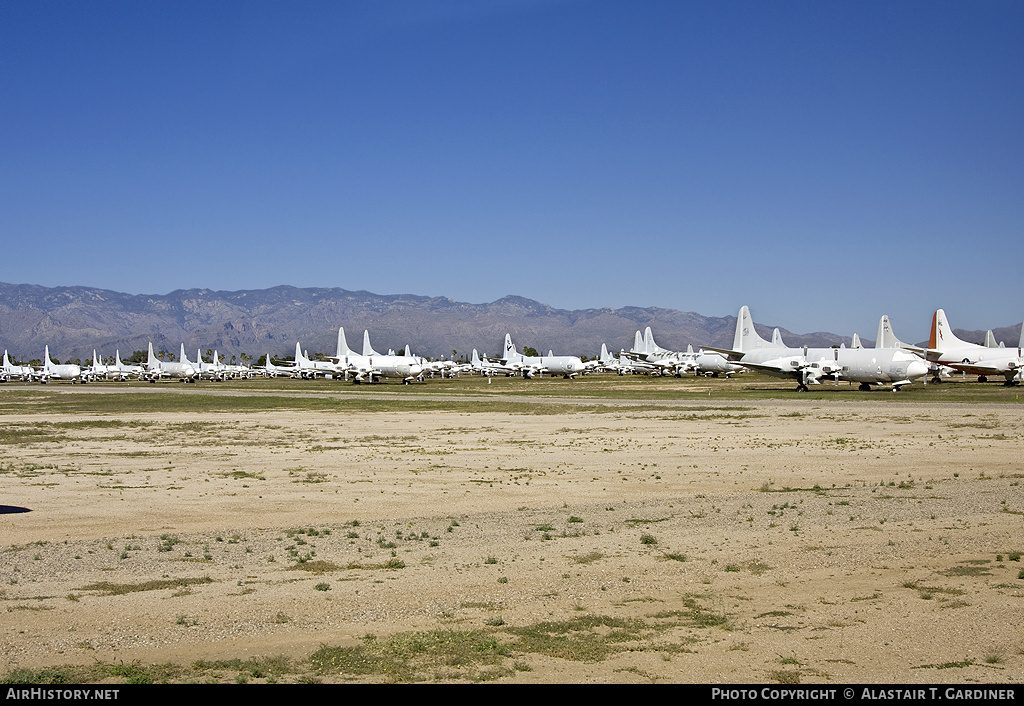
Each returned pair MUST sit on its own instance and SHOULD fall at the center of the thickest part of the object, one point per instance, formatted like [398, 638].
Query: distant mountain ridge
[73, 321]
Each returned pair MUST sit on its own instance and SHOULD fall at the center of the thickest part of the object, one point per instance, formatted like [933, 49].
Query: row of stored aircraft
[890, 362]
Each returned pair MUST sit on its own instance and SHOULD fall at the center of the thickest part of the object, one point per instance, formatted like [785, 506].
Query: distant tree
[531, 352]
[138, 357]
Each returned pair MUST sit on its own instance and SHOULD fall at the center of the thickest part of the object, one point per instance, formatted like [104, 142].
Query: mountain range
[73, 321]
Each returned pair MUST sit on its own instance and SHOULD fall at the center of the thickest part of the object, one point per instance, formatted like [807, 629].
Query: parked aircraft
[157, 369]
[679, 363]
[124, 371]
[809, 366]
[53, 371]
[276, 371]
[483, 366]
[371, 368]
[14, 372]
[945, 348]
[98, 370]
[568, 366]
[309, 369]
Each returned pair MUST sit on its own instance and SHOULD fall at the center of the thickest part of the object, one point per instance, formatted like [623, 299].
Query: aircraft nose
[917, 369]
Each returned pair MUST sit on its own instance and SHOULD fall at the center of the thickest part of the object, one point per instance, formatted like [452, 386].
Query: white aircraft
[809, 366]
[53, 371]
[98, 370]
[699, 362]
[308, 369]
[650, 358]
[204, 370]
[945, 348]
[123, 371]
[157, 369]
[276, 371]
[373, 367]
[568, 366]
[483, 366]
[14, 372]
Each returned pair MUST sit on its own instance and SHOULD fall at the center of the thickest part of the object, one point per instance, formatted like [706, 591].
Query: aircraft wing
[727, 352]
[774, 369]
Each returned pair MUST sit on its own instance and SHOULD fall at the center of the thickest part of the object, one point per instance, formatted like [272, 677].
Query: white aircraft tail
[367, 348]
[942, 337]
[152, 361]
[510, 348]
[639, 344]
[299, 358]
[746, 338]
[990, 340]
[855, 343]
[649, 345]
[183, 357]
[777, 338]
[886, 338]
[343, 349]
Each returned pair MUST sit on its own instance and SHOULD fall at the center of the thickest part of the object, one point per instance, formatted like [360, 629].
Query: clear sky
[822, 162]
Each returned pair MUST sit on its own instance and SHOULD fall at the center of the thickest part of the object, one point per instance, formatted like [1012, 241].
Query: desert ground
[633, 538]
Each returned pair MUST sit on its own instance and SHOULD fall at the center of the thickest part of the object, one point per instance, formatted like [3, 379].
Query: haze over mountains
[73, 321]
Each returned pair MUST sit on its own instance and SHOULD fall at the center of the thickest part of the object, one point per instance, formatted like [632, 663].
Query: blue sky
[822, 162]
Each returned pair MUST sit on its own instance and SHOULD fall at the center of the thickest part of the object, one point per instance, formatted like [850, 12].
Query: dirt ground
[729, 542]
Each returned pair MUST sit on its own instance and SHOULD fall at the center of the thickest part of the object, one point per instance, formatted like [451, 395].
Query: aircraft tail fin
[886, 337]
[510, 348]
[475, 360]
[746, 338]
[299, 358]
[367, 348]
[990, 339]
[855, 343]
[649, 345]
[343, 349]
[183, 357]
[777, 338]
[942, 337]
[152, 361]
[638, 343]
